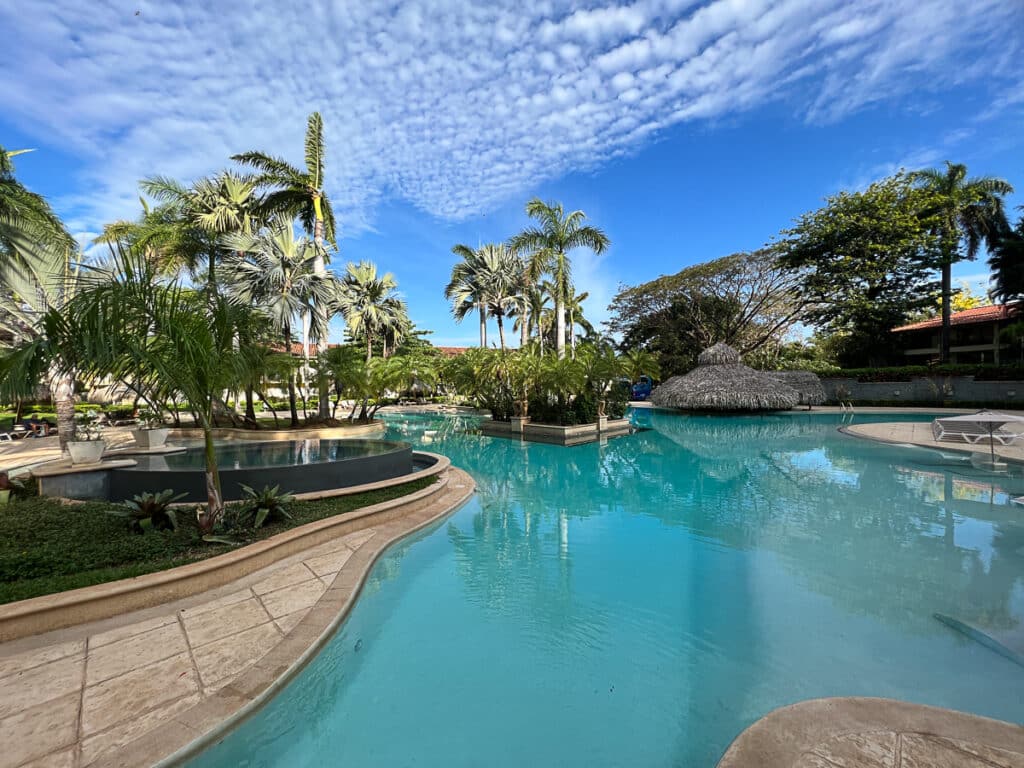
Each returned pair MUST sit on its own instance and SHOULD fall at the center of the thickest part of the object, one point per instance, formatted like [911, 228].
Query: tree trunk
[572, 336]
[292, 406]
[560, 327]
[250, 406]
[62, 391]
[214, 501]
[524, 327]
[483, 328]
[320, 268]
[369, 347]
[947, 296]
[501, 331]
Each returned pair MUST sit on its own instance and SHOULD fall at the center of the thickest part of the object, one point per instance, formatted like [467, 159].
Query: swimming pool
[641, 602]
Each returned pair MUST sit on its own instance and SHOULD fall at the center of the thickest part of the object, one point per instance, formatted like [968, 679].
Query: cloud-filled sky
[725, 118]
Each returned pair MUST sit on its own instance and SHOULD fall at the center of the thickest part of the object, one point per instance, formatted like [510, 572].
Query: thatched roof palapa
[720, 382]
[806, 384]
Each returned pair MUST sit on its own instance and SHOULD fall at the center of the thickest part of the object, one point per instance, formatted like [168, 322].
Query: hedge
[906, 372]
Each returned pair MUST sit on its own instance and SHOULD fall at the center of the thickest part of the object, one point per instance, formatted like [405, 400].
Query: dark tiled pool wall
[302, 478]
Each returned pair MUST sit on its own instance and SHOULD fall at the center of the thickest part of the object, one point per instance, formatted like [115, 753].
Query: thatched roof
[806, 384]
[721, 383]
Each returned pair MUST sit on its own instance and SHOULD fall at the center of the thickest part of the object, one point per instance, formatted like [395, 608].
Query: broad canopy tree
[865, 262]
[745, 300]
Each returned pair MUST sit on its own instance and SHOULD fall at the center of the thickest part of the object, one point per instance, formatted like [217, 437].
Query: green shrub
[906, 372]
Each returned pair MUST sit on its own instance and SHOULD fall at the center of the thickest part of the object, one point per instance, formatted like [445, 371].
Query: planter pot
[86, 451]
[150, 438]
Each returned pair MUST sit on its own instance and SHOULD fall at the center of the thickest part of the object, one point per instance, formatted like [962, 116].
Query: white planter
[86, 451]
[150, 438]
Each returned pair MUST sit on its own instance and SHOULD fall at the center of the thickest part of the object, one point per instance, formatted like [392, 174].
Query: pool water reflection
[643, 601]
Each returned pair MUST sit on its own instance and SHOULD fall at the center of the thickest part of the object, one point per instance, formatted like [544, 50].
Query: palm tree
[368, 302]
[1007, 263]
[574, 315]
[640, 362]
[28, 226]
[555, 235]
[275, 272]
[465, 291]
[128, 323]
[299, 192]
[970, 212]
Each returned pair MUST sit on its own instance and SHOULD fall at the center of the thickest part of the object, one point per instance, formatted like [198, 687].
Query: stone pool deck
[132, 690]
[920, 434]
[875, 733]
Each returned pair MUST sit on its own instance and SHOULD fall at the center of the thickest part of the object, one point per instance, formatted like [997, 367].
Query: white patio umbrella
[990, 420]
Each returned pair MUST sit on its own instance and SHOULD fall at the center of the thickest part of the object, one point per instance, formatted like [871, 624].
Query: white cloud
[455, 107]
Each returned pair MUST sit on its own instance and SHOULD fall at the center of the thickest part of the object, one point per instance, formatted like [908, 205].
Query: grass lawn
[48, 547]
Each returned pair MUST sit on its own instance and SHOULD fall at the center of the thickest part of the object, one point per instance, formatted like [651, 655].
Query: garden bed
[48, 546]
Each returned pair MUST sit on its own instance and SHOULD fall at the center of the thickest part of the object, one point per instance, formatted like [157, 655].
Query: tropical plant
[275, 272]
[639, 362]
[465, 291]
[574, 316]
[267, 505]
[1007, 263]
[28, 225]
[128, 323]
[150, 510]
[87, 427]
[368, 303]
[965, 213]
[549, 243]
[299, 192]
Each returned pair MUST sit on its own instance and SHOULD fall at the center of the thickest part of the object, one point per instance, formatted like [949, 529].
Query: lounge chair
[966, 432]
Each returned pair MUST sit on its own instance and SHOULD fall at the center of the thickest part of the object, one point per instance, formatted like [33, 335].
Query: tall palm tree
[971, 213]
[574, 315]
[299, 192]
[276, 273]
[1007, 263]
[26, 217]
[367, 302]
[555, 235]
[465, 291]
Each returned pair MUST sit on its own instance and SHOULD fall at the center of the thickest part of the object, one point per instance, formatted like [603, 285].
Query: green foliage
[1007, 263]
[865, 262]
[44, 549]
[744, 300]
[150, 510]
[267, 505]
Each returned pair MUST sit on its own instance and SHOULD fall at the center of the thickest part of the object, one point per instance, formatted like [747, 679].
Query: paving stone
[63, 759]
[999, 757]
[116, 658]
[874, 749]
[227, 657]
[221, 602]
[133, 694]
[22, 662]
[918, 751]
[130, 630]
[39, 730]
[109, 741]
[287, 622]
[43, 683]
[294, 598]
[283, 577]
[213, 625]
[329, 563]
[357, 539]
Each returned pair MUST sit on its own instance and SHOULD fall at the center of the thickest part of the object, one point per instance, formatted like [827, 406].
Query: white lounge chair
[966, 432]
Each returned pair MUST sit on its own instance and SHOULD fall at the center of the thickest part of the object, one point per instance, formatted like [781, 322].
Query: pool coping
[61, 610]
[840, 730]
[263, 435]
[850, 431]
[190, 732]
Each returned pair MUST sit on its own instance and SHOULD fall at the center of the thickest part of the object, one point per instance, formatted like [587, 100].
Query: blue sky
[686, 130]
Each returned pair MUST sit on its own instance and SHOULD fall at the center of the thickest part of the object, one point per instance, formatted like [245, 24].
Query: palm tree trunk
[947, 296]
[62, 391]
[320, 268]
[250, 405]
[214, 500]
[524, 328]
[483, 327]
[369, 347]
[560, 327]
[501, 330]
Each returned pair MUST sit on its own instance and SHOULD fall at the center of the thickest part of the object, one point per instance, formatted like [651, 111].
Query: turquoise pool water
[641, 602]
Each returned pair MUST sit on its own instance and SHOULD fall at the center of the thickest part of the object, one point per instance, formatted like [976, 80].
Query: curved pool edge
[860, 732]
[63, 610]
[197, 728]
[857, 431]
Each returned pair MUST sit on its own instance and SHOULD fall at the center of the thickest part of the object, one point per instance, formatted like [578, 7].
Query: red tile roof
[988, 314]
[297, 349]
[451, 351]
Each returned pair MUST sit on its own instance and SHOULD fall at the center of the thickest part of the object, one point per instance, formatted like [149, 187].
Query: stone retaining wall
[924, 390]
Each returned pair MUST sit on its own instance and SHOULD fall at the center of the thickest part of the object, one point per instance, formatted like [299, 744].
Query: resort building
[975, 336]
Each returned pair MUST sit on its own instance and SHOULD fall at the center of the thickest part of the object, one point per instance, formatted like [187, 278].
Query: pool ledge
[158, 685]
[37, 615]
[872, 733]
[920, 434]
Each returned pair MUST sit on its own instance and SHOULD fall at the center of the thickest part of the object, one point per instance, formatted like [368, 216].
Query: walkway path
[94, 695]
[920, 433]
